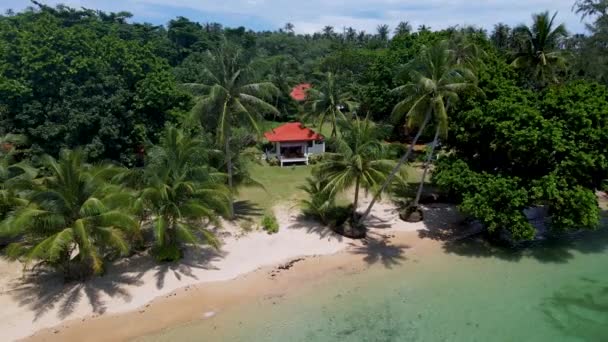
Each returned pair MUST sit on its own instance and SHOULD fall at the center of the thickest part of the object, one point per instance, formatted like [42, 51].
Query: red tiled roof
[298, 92]
[293, 131]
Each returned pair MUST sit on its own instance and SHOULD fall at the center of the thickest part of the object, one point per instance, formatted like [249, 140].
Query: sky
[310, 16]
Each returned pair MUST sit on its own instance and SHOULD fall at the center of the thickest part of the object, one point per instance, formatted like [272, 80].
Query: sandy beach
[133, 298]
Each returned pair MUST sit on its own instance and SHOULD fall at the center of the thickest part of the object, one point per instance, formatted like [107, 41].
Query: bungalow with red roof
[298, 93]
[294, 143]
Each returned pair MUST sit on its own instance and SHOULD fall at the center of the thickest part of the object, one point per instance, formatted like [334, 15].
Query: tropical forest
[162, 151]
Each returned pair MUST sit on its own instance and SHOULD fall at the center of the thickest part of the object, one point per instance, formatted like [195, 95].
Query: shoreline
[42, 310]
[208, 300]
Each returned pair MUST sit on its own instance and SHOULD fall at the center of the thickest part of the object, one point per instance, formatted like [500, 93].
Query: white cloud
[310, 16]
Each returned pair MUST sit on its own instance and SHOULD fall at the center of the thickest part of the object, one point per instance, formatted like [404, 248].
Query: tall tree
[432, 79]
[328, 32]
[403, 28]
[358, 160]
[232, 95]
[74, 218]
[383, 31]
[328, 101]
[540, 55]
[500, 36]
[181, 190]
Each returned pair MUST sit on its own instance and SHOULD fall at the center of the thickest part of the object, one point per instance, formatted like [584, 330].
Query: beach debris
[209, 314]
[284, 267]
[290, 264]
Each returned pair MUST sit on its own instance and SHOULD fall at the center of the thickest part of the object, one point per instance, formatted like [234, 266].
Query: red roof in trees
[298, 92]
[293, 131]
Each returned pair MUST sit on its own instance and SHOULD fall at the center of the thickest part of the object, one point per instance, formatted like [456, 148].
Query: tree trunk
[403, 159]
[426, 167]
[356, 199]
[229, 171]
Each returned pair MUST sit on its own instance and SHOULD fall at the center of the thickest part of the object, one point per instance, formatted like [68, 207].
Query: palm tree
[327, 101]
[403, 28]
[539, 54]
[434, 79]
[590, 8]
[12, 173]
[233, 96]
[74, 218]
[328, 32]
[180, 191]
[358, 160]
[383, 31]
[289, 28]
[350, 34]
[500, 36]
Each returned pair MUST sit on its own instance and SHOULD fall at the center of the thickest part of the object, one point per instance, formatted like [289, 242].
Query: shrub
[273, 161]
[605, 186]
[319, 203]
[270, 224]
[167, 253]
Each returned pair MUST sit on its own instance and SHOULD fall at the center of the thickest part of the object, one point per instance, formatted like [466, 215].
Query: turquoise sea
[556, 291]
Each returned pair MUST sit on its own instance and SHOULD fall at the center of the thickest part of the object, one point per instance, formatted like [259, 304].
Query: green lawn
[282, 185]
[279, 185]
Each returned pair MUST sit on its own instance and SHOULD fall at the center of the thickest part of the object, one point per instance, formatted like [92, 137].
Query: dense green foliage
[74, 217]
[112, 129]
[83, 80]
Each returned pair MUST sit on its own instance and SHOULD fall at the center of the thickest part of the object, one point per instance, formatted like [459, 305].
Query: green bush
[319, 203]
[273, 161]
[167, 253]
[605, 185]
[270, 224]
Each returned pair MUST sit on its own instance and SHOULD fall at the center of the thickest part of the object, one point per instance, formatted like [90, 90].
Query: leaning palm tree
[540, 55]
[358, 161]
[232, 96]
[328, 101]
[74, 218]
[433, 79]
[182, 193]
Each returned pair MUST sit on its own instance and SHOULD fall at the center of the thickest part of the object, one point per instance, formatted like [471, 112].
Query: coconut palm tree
[433, 79]
[403, 28]
[540, 55]
[358, 160]
[500, 36]
[327, 101]
[12, 173]
[383, 31]
[74, 218]
[232, 96]
[181, 190]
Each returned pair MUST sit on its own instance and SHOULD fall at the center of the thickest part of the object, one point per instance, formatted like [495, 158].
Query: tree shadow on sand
[301, 221]
[467, 240]
[377, 248]
[194, 258]
[44, 292]
[246, 210]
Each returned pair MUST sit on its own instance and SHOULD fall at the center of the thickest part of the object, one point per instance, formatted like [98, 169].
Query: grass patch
[280, 185]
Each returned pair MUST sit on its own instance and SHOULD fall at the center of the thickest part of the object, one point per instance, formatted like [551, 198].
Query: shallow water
[554, 292]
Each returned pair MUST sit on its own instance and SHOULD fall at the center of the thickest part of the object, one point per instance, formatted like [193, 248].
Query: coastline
[133, 289]
[211, 299]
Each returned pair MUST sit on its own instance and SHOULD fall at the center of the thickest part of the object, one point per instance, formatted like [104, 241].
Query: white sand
[29, 306]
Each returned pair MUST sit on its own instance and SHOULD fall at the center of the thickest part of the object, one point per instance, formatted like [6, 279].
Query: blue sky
[310, 16]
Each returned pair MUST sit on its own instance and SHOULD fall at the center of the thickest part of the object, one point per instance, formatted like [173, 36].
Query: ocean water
[557, 291]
